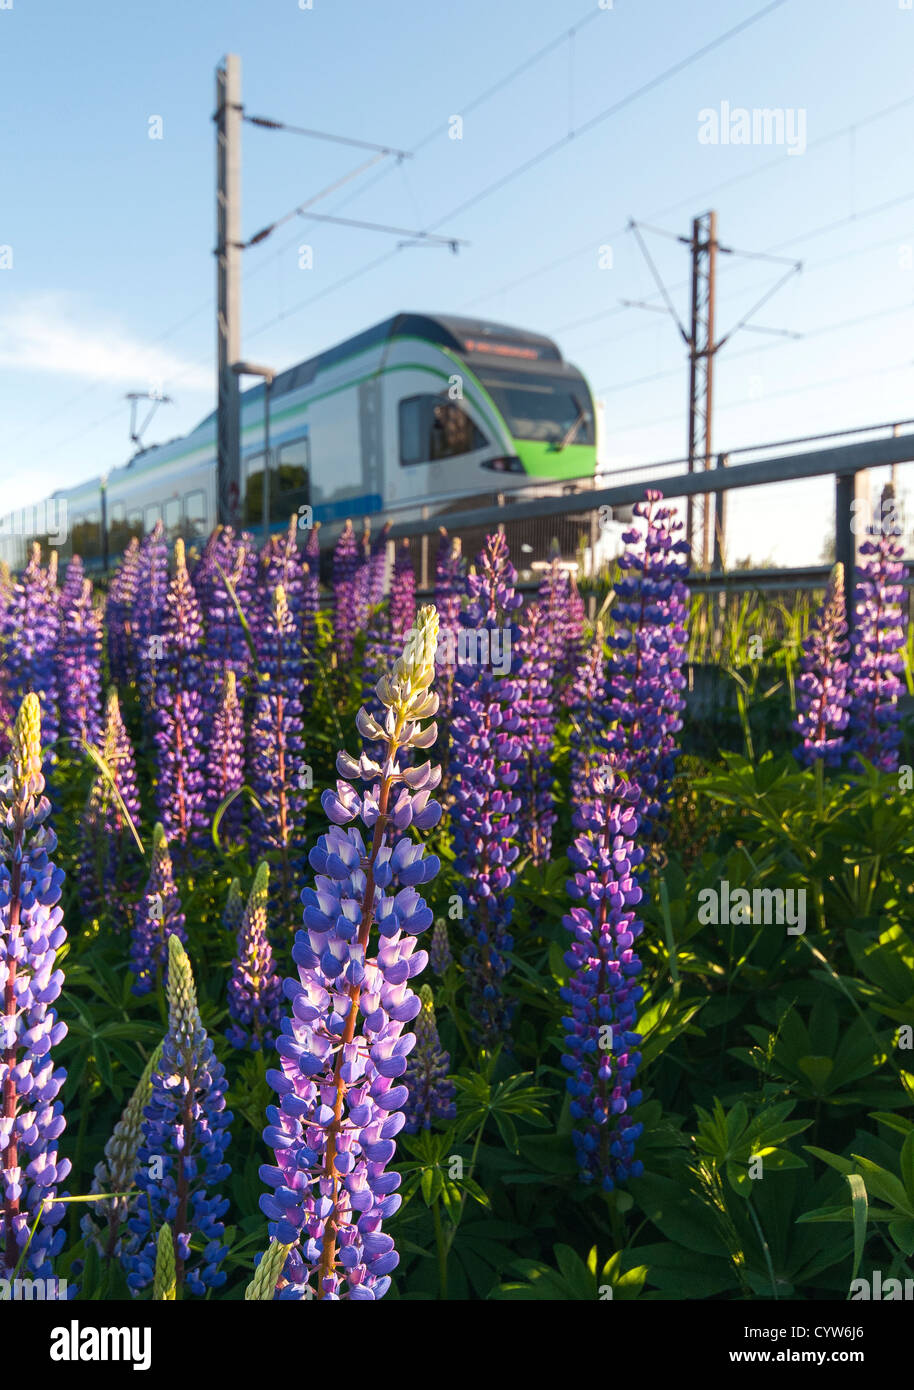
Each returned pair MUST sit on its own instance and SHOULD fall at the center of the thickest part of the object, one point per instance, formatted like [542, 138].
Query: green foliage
[754, 1040]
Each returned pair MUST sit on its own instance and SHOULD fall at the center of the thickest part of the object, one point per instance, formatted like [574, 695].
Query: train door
[371, 439]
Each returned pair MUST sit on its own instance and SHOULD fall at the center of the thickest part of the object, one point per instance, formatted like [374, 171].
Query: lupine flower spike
[179, 713]
[31, 934]
[439, 956]
[485, 763]
[225, 757]
[164, 1281]
[262, 1287]
[255, 989]
[645, 679]
[344, 1046]
[822, 695]
[115, 1174]
[180, 1163]
[158, 916]
[602, 991]
[877, 660]
[431, 1092]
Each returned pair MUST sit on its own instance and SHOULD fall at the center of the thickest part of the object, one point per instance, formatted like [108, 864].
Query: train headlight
[506, 463]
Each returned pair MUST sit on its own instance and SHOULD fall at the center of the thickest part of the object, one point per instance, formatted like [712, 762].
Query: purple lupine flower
[282, 563]
[586, 703]
[822, 696]
[363, 578]
[225, 757]
[485, 764]
[185, 1128]
[431, 1091]
[157, 917]
[375, 658]
[310, 605]
[72, 587]
[31, 934]
[343, 1045]
[386, 632]
[120, 620]
[644, 679]
[449, 591]
[574, 640]
[255, 989]
[345, 614]
[80, 667]
[377, 576]
[402, 595]
[536, 733]
[602, 991]
[439, 955]
[563, 624]
[105, 837]
[7, 713]
[178, 708]
[34, 631]
[277, 770]
[225, 644]
[877, 646]
[554, 599]
[148, 608]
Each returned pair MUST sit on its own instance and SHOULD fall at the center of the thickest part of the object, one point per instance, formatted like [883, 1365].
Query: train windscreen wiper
[570, 432]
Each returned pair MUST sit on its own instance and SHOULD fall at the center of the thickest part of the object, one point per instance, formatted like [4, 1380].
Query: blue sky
[111, 283]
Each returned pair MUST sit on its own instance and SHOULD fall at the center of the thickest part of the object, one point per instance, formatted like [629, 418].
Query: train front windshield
[551, 409]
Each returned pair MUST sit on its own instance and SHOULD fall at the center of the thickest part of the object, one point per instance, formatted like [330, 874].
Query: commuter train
[421, 411]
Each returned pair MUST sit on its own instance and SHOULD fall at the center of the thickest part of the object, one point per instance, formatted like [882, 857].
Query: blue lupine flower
[485, 762]
[181, 1158]
[877, 647]
[431, 1091]
[31, 934]
[602, 991]
[343, 1047]
[645, 680]
[157, 917]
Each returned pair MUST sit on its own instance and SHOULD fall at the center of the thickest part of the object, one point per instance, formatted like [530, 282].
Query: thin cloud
[45, 336]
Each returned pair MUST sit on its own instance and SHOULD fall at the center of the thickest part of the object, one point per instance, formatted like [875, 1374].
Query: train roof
[467, 336]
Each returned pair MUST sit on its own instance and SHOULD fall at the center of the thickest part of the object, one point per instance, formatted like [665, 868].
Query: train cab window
[194, 515]
[151, 514]
[290, 478]
[433, 427]
[172, 517]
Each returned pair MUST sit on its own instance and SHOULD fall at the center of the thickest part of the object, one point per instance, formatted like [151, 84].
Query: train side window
[172, 517]
[253, 489]
[120, 529]
[194, 515]
[290, 478]
[151, 514]
[433, 427]
[86, 535]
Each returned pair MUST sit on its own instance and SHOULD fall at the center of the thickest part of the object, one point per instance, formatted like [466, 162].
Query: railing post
[720, 520]
[423, 569]
[845, 540]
